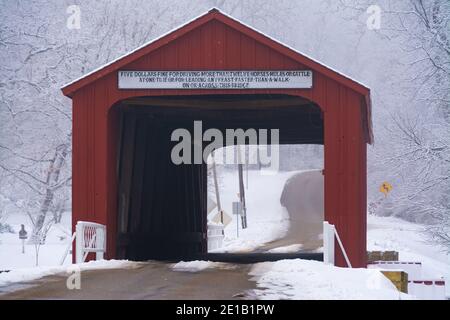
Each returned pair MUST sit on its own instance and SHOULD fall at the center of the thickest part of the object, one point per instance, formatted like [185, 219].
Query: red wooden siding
[216, 42]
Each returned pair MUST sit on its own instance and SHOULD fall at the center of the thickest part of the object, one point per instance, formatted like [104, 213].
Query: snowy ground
[50, 254]
[29, 274]
[199, 265]
[267, 219]
[409, 239]
[301, 279]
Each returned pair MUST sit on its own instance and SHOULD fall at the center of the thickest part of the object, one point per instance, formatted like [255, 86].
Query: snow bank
[410, 240]
[192, 266]
[29, 274]
[199, 265]
[312, 280]
[286, 249]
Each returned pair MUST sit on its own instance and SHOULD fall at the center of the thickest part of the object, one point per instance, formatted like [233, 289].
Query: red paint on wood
[217, 42]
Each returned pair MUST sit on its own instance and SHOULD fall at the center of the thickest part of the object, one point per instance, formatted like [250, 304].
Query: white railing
[447, 287]
[215, 236]
[68, 249]
[427, 289]
[418, 284]
[412, 268]
[90, 237]
[329, 235]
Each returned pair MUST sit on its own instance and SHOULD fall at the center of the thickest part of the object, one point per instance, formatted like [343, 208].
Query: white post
[328, 243]
[347, 260]
[99, 255]
[79, 243]
[68, 248]
[447, 283]
[100, 239]
[447, 287]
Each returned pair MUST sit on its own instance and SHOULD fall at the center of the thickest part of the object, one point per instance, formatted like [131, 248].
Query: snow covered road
[150, 280]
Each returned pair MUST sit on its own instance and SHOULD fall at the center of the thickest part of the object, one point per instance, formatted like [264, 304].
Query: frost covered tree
[40, 52]
[35, 141]
[414, 141]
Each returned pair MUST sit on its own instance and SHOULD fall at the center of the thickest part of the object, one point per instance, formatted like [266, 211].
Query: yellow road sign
[385, 188]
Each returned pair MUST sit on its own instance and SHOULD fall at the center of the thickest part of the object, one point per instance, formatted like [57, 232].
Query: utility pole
[216, 187]
[247, 160]
[241, 190]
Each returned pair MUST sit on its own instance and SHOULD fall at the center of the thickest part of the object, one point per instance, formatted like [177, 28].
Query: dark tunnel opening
[162, 208]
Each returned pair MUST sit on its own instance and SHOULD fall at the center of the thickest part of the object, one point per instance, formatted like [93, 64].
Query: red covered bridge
[122, 171]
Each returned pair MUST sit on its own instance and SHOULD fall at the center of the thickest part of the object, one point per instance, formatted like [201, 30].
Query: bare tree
[52, 184]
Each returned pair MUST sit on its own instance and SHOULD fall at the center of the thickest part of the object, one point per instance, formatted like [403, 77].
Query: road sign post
[237, 211]
[23, 235]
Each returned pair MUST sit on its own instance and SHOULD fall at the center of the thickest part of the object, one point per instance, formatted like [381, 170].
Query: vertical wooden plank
[232, 49]
[355, 173]
[126, 173]
[90, 144]
[198, 54]
[261, 56]
[203, 246]
[100, 154]
[207, 46]
[276, 60]
[219, 40]
[149, 176]
[138, 174]
[331, 158]
[247, 53]
[184, 52]
[79, 161]
[115, 126]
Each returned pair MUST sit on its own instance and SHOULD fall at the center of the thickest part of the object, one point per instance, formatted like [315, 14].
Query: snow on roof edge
[195, 18]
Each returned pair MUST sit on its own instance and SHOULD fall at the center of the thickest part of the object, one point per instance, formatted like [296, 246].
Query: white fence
[329, 235]
[215, 236]
[427, 289]
[90, 237]
[418, 285]
[413, 269]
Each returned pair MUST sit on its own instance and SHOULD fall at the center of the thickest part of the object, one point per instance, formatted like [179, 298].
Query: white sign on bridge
[262, 79]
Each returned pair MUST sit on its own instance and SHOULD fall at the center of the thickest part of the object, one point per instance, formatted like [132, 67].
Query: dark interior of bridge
[162, 210]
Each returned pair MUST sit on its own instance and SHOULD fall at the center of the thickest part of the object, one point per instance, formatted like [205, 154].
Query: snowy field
[300, 279]
[409, 239]
[50, 254]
